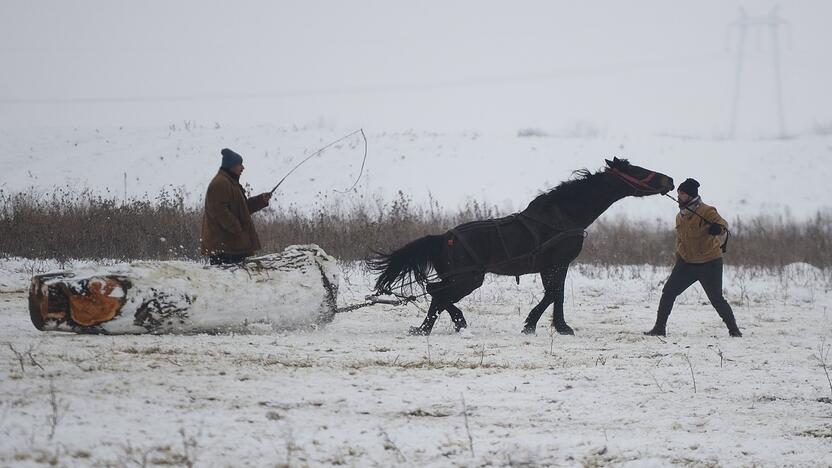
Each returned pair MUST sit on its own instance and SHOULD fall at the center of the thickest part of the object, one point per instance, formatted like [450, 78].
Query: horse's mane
[567, 191]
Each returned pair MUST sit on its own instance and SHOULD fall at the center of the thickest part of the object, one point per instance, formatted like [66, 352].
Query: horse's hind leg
[433, 313]
[444, 295]
[434, 309]
[457, 317]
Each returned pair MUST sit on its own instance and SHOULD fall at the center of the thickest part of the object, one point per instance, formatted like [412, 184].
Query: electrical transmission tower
[743, 24]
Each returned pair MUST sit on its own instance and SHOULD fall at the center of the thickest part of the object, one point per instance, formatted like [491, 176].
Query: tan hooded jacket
[226, 221]
[693, 242]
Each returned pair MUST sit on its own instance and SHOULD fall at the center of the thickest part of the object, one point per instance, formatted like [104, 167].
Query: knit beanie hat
[230, 159]
[690, 187]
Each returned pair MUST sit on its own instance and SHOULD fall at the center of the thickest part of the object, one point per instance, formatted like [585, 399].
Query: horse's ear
[609, 163]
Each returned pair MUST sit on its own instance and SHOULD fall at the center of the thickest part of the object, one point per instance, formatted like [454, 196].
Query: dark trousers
[224, 259]
[684, 274]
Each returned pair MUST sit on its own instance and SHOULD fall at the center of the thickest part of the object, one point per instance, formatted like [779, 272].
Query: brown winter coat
[226, 222]
[693, 242]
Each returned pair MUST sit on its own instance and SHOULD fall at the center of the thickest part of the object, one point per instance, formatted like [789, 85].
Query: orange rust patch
[96, 305]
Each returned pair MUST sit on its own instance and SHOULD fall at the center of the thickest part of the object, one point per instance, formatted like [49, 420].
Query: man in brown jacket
[228, 236]
[698, 258]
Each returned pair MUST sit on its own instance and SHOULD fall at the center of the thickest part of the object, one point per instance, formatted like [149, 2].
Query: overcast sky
[646, 65]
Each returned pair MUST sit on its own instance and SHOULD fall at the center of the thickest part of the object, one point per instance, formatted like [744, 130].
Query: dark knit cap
[690, 187]
[230, 159]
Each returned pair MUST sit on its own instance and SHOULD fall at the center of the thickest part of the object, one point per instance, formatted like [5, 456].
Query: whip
[321, 150]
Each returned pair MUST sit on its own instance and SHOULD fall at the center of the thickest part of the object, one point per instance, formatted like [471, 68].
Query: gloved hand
[714, 229]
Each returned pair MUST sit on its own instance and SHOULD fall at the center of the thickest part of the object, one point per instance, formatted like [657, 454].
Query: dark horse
[544, 238]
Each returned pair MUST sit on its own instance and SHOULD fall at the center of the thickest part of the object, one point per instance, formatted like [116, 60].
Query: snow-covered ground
[741, 177]
[99, 100]
[360, 392]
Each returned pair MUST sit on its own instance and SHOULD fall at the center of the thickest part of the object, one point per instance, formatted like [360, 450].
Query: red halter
[640, 185]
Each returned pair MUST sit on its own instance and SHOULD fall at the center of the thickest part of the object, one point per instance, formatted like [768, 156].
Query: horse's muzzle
[669, 186]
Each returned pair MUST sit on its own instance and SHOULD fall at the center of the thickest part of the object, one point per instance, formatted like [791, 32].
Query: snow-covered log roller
[295, 288]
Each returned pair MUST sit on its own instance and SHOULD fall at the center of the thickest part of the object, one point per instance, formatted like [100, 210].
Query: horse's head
[643, 181]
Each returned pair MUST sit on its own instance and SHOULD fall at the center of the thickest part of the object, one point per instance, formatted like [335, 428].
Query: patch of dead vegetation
[436, 413]
[824, 432]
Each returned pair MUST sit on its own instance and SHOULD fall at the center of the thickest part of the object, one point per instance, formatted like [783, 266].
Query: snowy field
[743, 177]
[360, 392]
[460, 101]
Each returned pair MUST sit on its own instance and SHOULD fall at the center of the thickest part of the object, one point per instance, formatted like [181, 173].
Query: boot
[656, 331]
[733, 329]
[727, 316]
[660, 328]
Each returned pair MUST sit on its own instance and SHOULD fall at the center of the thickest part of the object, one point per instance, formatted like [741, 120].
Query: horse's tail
[406, 266]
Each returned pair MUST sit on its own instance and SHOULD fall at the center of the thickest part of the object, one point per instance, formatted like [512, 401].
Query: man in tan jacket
[699, 231]
[228, 236]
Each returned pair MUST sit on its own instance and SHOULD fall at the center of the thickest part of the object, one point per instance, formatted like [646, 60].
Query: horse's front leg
[559, 281]
[547, 277]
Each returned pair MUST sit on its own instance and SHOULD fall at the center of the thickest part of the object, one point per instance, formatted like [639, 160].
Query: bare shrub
[79, 224]
[621, 241]
[67, 224]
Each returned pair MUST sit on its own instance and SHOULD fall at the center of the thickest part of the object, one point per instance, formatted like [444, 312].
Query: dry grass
[71, 224]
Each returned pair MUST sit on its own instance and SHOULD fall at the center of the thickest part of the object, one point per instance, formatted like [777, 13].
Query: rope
[374, 299]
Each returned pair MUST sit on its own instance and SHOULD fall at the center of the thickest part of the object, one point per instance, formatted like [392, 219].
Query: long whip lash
[361, 171]
[321, 150]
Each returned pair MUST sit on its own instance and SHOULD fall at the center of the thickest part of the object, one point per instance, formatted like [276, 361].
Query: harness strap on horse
[559, 237]
[467, 246]
[502, 240]
[525, 216]
[522, 217]
[554, 240]
[524, 221]
[538, 249]
[639, 185]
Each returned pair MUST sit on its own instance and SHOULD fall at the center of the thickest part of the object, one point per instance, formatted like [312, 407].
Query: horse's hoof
[565, 330]
[527, 330]
[418, 331]
[459, 328]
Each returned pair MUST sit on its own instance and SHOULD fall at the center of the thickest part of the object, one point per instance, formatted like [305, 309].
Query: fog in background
[639, 66]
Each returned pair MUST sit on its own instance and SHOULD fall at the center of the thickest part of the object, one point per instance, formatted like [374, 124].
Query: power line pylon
[743, 24]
